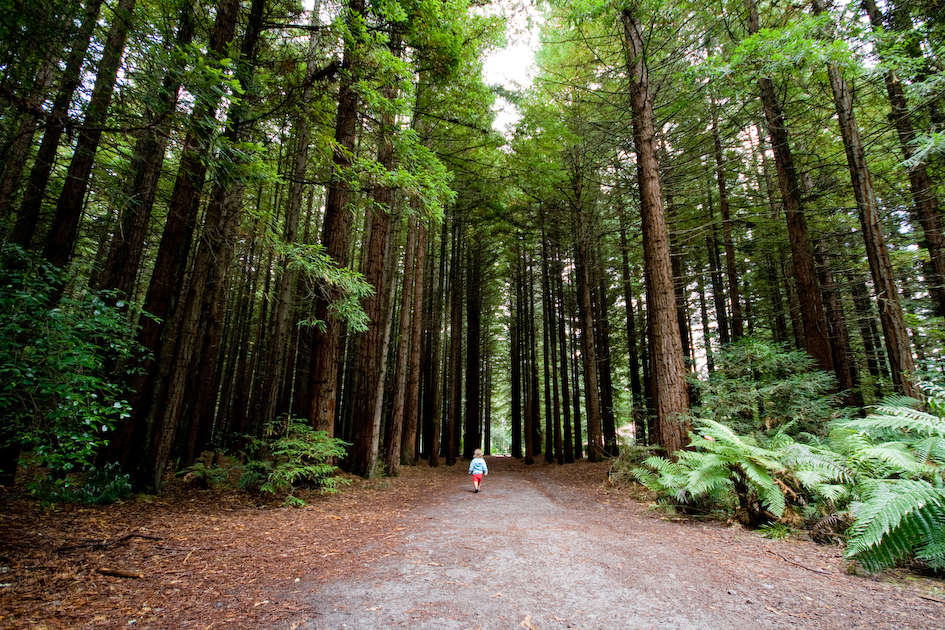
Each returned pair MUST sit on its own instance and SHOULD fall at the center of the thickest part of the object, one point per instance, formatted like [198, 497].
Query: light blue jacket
[478, 465]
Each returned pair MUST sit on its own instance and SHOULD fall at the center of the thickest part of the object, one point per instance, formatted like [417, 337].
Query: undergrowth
[875, 484]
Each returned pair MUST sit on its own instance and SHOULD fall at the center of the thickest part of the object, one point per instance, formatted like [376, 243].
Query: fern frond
[817, 465]
[892, 454]
[717, 430]
[833, 491]
[898, 419]
[896, 517]
[704, 480]
[768, 491]
[929, 450]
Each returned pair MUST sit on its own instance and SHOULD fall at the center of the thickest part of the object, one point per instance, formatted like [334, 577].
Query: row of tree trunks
[56, 121]
[133, 437]
[924, 211]
[898, 345]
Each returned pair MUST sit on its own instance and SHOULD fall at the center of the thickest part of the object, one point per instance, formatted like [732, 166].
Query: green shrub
[56, 398]
[899, 507]
[200, 475]
[720, 466]
[760, 386]
[97, 486]
[301, 456]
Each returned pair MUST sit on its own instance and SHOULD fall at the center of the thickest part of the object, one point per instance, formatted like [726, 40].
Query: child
[478, 468]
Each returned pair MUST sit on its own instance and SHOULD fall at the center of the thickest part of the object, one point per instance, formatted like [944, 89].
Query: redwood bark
[200, 312]
[412, 401]
[65, 226]
[28, 215]
[731, 269]
[128, 444]
[633, 355]
[816, 337]
[895, 333]
[393, 440]
[924, 210]
[126, 251]
[595, 438]
[670, 392]
[336, 232]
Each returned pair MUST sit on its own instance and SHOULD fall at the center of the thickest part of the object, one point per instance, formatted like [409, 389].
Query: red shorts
[477, 477]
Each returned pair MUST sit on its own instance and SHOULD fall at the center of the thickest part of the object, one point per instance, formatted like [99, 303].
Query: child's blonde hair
[477, 453]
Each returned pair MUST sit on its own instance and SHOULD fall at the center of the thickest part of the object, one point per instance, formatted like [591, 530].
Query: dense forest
[224, 221]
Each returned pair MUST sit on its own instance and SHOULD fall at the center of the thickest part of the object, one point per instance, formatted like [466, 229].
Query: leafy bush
[721, 465]
[900, 490]
[97, 486]
[200, 475]
[55, 396]
[300, 455]
[877, 481]
[761, 386]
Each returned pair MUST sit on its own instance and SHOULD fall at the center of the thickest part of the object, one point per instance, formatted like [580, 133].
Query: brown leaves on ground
[205, 558]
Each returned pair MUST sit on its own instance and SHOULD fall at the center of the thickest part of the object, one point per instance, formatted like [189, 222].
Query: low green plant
[622, 468]
[57, 399]
[300, 455]
[720, 465]
[96, 486]
[899, 506]
[775, 531]
[200, 475]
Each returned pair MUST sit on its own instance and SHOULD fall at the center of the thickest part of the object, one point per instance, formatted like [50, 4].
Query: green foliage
[97, 486]
[299, 455]
[721, 465]
[55, 396]
[899, 453]
[759, 385]
[200, 475]
[883, 472]
[775, 531]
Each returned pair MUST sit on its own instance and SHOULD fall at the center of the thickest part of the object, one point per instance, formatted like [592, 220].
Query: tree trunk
[451, 434]
[123, 264]
[595, 438]
[412, 401]
[65, 227]
[363, 456]
[279, 334]
[730, 264]
[816, 339]
[633, 356]
[201, 308]
[336, 231]
[562, 341]
[393, 441]
[515, 358]
[472, 434]
[925, 213]
[128, 444]
[18, 153]
[670, 392]
[554, 444]
[28, 216]
[844, 367]
[898, 346]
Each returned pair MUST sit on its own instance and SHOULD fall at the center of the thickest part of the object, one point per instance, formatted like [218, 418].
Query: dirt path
[531, 551]
[543, 547]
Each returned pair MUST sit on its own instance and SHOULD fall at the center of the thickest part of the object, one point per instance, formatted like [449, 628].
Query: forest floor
[542, 547]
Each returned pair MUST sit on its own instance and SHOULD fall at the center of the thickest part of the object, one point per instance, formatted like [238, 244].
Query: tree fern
[897, 519]
[722, 463]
